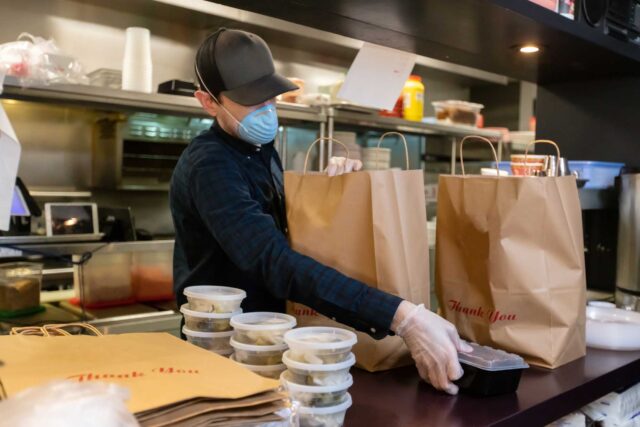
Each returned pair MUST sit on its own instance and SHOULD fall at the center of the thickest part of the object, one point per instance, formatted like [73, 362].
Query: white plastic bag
[34, 60]
[68, 404]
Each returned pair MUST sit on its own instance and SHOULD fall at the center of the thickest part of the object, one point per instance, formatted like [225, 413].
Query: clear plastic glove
[434, 344]
[341, 165]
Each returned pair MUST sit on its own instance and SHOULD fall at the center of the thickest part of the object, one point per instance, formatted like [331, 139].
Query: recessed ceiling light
[529, 48]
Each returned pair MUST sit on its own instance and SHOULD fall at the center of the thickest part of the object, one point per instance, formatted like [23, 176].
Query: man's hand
[433, 342]
[340, 165]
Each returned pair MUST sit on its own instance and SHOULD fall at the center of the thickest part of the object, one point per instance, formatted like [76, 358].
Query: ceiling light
[529, 48]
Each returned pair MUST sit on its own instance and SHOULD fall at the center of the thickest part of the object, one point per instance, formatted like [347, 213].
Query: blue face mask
[259, 126]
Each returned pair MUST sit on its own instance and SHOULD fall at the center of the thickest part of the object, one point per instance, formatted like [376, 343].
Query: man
[227, 202]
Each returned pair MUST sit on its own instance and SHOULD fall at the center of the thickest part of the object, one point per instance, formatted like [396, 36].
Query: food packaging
[206, 322]
[315, 395]
[461, 112]
[267, 371]
[320, 344]
[318, 374]
[104, 280]
[330, 416]
[20, 284]
[214, 299]
[261, 328]
[613, 328]
[258, 354]
[218, 342]
[489, 371]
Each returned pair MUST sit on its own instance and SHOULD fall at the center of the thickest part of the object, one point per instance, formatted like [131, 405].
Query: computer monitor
[19, 205]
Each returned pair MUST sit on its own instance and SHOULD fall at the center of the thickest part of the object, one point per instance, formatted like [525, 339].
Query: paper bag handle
[483, 139]
[53, 330]
[543, 141]
[404, 141]
[324, 138]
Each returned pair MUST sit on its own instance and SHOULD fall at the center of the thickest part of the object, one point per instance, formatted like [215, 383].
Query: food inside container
[20, 286]
[330, 416]
[320, 345]
[214, 299]
[489, 371]
[258, 354]
[318, 374]
[267, 371]
[461, 112]
[212, 341]
[261, 328]
[207, 322]
[613, 328]
[314, 395]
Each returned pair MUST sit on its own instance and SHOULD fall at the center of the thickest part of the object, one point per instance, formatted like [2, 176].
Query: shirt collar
[244, 147]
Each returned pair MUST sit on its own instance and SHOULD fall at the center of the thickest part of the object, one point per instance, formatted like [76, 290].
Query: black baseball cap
[239, 65]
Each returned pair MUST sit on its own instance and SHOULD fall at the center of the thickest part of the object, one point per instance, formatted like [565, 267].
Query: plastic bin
[152, 275]
[104, 280]
[489, 371]
[601, 175]
[330, 416]
[20, 284]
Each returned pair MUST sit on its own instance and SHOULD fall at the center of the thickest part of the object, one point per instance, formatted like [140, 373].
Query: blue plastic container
[600, 174]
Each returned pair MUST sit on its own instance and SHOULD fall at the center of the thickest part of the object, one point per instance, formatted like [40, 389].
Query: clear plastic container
[320, 344]
[330, 416]
[214, 299]
[105, 280]
[20, 284]
[261, 328]
[612, 328]
[315, 395]
[461, 112]
[207, 322]
[152, 275]
[489, 371]
[213, 341]
[258, 354]
[267, 371]
[320, 374]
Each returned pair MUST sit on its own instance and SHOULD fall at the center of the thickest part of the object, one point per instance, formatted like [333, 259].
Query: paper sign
[377, 76]
[9, 159]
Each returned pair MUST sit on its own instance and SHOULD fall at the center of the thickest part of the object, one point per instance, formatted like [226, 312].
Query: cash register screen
[18, 205]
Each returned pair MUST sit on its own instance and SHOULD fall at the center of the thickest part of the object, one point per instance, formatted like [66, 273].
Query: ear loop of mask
[214, 97]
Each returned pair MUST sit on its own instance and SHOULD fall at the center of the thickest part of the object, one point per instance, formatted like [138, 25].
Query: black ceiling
[476, 33]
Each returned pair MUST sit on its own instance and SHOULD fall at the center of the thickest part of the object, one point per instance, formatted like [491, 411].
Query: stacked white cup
[137, 67]
[258, 341]
[317, 376]
[208, 316]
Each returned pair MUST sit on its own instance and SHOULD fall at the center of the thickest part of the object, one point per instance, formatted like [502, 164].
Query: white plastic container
[206, 322]
[214, 299]
[315, 396]
[267, 371]
[330, 416]
[613, 329]
[318, 374]
[261, 328]
[213, 341]
[258, 354]
[318, 345]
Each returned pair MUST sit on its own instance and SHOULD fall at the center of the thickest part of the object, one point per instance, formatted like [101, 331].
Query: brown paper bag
[158, 369]
[370, 226]
[510, 263]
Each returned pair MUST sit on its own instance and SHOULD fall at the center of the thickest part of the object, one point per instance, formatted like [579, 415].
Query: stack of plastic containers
[258, 341]
[317, 376]
[208, 314]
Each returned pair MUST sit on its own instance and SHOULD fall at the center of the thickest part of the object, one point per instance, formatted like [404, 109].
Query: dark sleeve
[254, 244]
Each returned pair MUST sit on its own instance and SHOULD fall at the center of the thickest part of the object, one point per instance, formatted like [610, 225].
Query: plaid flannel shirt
[227, 203]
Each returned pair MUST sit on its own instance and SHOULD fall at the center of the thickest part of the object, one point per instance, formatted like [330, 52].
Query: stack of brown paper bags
[172, 383]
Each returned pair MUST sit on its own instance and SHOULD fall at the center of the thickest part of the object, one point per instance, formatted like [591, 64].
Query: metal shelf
[122, 100]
